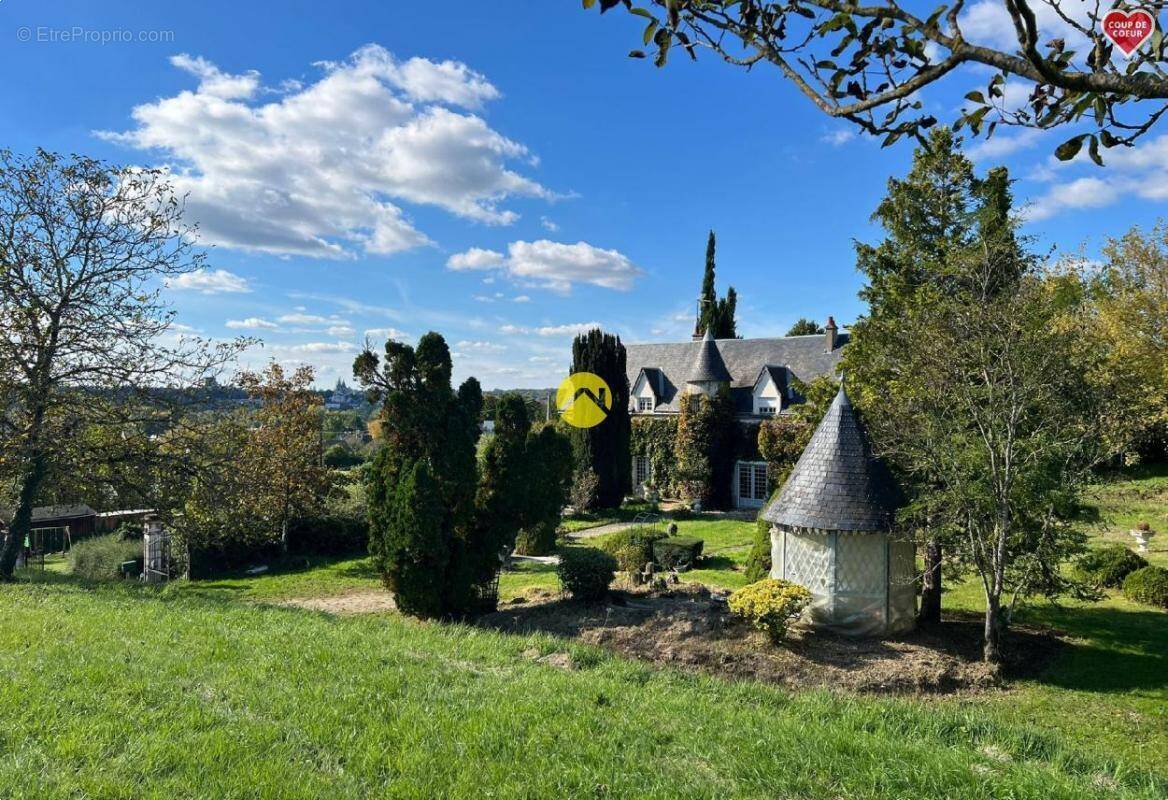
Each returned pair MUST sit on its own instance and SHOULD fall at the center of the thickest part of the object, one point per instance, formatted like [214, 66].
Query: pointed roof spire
[837, 485]
[708, 365]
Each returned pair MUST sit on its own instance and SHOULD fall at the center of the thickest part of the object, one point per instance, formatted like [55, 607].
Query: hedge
[1107, 566]
[633, 547]
[677, 551]
[586, 572]
[329, 535]
[1148, 585]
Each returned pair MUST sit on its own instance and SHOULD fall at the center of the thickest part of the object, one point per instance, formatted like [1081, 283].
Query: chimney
[697, 331]
[829, 331]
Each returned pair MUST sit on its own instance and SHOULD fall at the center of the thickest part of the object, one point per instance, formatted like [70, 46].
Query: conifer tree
[422, 485]
[605, 448]
[714, 313]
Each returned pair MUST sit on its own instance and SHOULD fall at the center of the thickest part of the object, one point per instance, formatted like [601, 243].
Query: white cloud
[1003, 145]
[447, 82]
[299, 318]
[208, 281]
[215, 83]
[1141, 171]
[341, 330]
[481, 346]
[554, 265]
[323, 347]
[381, 334]
[520, 298]
[1080, 193]
[316, 171]
[475, 258]
[838, 137]
[548, 225]
[252, 324]
[987, 22]
[570, 329]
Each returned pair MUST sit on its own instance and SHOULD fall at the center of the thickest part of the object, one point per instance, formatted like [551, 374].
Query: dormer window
[766, 411]
[645, 404]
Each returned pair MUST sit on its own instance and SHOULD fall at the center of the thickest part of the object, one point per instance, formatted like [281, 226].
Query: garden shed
[833, 531]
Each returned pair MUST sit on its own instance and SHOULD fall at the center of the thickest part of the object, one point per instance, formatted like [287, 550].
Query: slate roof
[837, 484]
[803, 356]
[778, 374]
[655, 378]
[708, 364]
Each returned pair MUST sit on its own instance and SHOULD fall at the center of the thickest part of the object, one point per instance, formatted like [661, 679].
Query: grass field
[205, 690]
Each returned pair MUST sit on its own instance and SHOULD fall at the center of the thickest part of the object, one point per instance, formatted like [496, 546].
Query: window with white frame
[752, 482]
[640, 470]
[766, 410]
[644, 403]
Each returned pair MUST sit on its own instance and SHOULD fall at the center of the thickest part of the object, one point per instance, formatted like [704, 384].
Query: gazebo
[833, 531]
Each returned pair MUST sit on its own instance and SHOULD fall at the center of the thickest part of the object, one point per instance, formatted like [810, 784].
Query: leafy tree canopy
[805, 327]
[868, 63]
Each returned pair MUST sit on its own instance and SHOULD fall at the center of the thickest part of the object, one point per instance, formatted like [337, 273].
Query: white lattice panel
[808, 560]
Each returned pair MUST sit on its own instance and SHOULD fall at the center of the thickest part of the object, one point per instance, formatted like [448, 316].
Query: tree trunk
[930, 613]
[21, 524]
[992, 650]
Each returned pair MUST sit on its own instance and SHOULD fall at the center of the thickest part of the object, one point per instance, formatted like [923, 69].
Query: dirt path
[364, 601]
[600, 530]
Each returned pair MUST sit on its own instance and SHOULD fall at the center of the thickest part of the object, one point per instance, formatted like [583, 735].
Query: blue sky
[499, 172]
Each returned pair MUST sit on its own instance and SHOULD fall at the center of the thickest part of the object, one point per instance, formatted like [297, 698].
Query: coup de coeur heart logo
[1127, 30]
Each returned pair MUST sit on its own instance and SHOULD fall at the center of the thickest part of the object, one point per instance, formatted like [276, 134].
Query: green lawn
[122, 691]
[206, 690]
[626, 513]
[727, 545]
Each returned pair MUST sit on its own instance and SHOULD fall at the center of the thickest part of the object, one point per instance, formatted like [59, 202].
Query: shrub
[586, 572]
[328, 535]
[758, 563]
[1148, 585]
[632, 547]
[584, 492]
[770, 605]
[340, 456]
[1108, 565]
[101, 558]
[677, 551]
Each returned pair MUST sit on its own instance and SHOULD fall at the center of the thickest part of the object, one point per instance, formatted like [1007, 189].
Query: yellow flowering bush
[770, 605]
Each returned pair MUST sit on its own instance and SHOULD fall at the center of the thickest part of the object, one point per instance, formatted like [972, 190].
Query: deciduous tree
[282, 462]
[868, 63]
[86, 340]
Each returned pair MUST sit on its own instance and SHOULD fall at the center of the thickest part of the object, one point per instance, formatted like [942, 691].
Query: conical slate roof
[837, 485]
[708, 366]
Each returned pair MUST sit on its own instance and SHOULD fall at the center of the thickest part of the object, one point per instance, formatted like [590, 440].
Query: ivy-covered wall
[655, 437]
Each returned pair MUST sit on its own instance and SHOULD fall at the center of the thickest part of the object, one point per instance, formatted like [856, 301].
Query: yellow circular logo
[584, 399]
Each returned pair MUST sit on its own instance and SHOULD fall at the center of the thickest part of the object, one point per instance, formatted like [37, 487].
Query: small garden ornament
[1142, 533]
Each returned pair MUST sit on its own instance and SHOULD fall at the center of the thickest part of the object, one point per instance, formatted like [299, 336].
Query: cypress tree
[500, 501]
[716, 314]
[605, 448]
[549, 476]
[422, 486]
